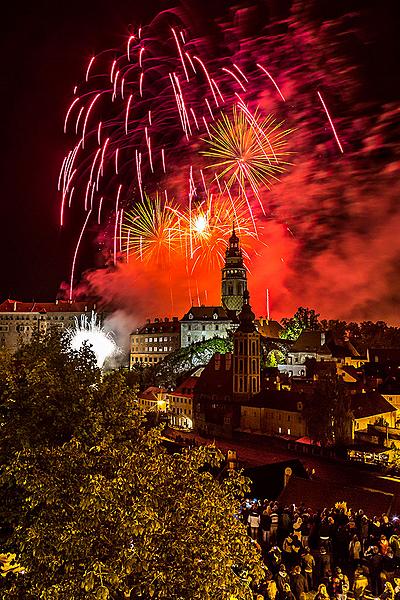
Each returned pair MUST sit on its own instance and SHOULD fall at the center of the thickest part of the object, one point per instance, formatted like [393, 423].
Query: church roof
[311, 341]
[370, 404]
[277, 400]
[206, 313]
[246, 316]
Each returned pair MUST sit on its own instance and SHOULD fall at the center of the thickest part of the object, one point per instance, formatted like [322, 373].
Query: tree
[327, 411]
[101, 510]
[179, 364]
[304, 318]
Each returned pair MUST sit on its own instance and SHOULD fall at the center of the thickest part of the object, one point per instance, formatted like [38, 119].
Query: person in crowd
[281, 580]
[360, 583]
[287, 593]
[375, 567]
[394, 542]
[383, 545]
[355, 551]
[270, 588]
[265, 523]
[324, 564]
[338, 585]
[322, 593]
[274, 559]
[308, 565]
[254, 523]
[388, 592]
[273, 531]
[396, 589]
[298, 584]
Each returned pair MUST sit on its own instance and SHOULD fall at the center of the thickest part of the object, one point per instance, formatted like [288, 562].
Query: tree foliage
[99, 508]
[304, 318]
[179, 364]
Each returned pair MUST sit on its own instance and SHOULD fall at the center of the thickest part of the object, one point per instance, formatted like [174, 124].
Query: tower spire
[234, 280]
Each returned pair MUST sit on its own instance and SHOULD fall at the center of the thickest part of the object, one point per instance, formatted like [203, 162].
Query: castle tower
[234, 281]
[246, 354]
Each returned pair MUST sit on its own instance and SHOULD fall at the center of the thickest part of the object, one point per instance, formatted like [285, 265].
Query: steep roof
[159, 326]
[217, 376]
[278, 400]
[269, 328]
[311, 341]
[151, 393]
[10, 306]
[206, 313]
[369, 405]
[186, 387]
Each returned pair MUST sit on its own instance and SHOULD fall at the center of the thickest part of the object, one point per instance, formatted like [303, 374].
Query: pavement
[268, 450]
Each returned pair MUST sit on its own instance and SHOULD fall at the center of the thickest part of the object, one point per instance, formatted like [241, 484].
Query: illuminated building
[234, 278]
[152, 399]
[203, 323]
[154, 341]
[246, 354]
[180, 404]
[20, 320]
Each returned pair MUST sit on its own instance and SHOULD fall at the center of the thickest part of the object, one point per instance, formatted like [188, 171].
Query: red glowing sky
[330, 239]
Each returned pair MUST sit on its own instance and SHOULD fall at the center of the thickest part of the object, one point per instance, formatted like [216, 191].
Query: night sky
[46, 47]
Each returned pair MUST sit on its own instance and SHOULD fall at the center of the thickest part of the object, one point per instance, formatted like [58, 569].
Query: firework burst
[246, 149]
[88, 330]
[157, 231]
[151, 231]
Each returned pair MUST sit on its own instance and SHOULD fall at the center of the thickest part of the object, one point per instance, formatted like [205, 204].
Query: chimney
[175, 319]
[156, 320]
[147, 321]
[166, 320]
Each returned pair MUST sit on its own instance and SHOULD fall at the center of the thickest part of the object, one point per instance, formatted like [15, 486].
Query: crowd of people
[329, 554]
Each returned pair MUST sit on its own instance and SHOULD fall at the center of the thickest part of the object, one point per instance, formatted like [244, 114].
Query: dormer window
[190, 316]
[299, 406]
[215, 315]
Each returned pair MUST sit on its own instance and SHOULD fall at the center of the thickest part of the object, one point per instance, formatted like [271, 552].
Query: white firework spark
[87, 329]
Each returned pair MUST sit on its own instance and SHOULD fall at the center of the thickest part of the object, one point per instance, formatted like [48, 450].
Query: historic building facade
[20, 320]
[154, 341]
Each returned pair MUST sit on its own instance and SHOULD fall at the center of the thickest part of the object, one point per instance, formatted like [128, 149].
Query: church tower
[246, 354]
[234, 281]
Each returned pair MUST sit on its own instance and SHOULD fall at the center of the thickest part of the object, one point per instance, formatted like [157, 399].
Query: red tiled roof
[44, 307]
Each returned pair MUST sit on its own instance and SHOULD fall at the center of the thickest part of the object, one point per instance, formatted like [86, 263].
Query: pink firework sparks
[68, 113]
[76, 254]
[127, 114]
[87, 117]
[180, 53]
[89, 67]
[128, 46]
[235, 77]
[273, 80]
[331, 123]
